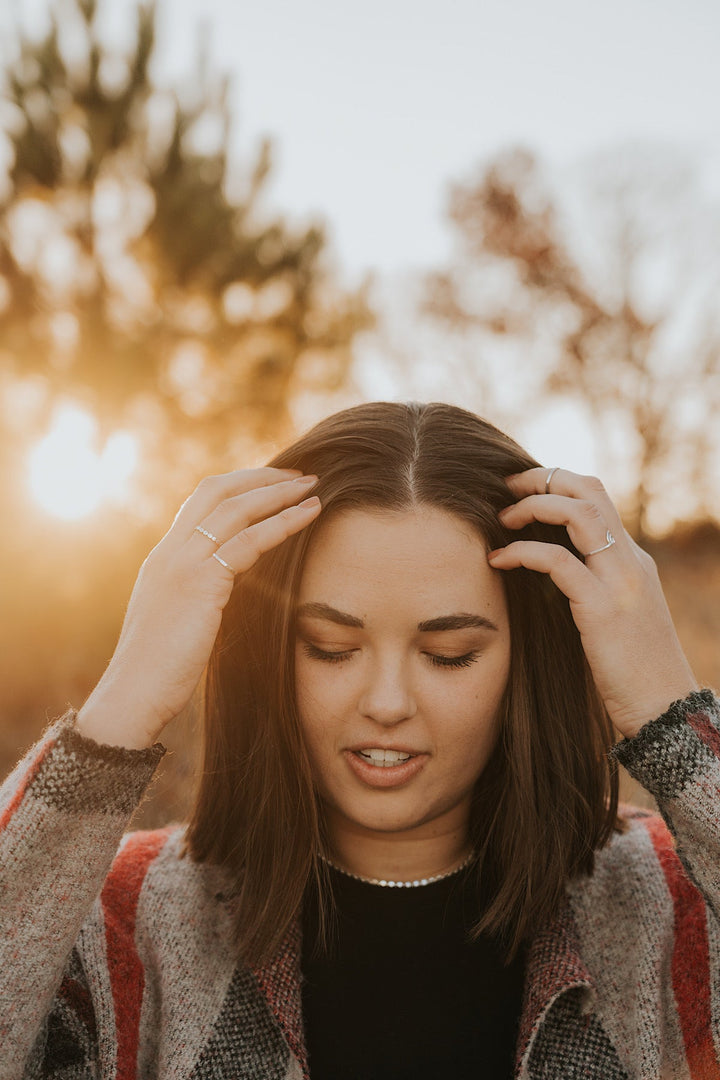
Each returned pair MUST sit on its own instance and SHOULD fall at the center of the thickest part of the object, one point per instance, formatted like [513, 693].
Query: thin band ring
[549, 477]
[199, 528]
[610, 541]
[222, 562]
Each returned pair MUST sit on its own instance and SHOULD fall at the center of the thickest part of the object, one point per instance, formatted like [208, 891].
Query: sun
[69, 476]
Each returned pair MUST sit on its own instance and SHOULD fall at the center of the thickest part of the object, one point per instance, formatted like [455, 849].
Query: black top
[404, 993]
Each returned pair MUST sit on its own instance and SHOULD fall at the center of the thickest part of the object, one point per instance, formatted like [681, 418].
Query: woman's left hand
[615, 594]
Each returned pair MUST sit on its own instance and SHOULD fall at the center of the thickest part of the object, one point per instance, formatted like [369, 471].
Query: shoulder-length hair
[547, 798]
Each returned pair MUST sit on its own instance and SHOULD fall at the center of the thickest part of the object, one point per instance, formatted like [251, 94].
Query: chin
[388, 819]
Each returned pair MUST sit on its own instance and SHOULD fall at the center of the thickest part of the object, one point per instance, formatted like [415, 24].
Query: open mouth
[383, 759]
[379, 768]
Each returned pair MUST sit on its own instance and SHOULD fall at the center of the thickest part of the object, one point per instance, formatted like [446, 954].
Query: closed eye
[438, 661]
[453, 661]
[321, 654]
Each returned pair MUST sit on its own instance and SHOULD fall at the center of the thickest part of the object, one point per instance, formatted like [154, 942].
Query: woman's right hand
[176, 605]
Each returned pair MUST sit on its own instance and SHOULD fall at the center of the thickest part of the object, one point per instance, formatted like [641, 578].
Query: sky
[375, 107]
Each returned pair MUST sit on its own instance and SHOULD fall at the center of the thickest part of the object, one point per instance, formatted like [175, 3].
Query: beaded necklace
[400, 884]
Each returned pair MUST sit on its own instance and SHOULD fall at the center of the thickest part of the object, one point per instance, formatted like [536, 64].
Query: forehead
[420, 559]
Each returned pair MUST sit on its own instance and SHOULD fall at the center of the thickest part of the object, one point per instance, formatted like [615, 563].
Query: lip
[358, 747]
[386, 776]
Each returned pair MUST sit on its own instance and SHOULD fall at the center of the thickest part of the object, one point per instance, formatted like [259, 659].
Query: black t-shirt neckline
[403, 992]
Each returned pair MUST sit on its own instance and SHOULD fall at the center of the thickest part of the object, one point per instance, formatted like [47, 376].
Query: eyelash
[438, 661]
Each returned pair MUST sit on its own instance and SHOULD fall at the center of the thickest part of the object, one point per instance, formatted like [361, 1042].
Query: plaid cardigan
[118, 963]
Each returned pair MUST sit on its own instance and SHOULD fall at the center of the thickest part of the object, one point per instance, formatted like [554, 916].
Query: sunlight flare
[70, 477]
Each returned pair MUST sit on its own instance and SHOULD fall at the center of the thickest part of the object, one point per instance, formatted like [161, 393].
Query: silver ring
[610, 541]
[549, 477]
[199, 528]
[223, 563]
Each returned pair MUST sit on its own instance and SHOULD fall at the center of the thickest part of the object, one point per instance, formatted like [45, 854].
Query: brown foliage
[517, 274]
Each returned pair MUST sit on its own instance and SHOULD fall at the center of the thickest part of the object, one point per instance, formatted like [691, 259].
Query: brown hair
[547, 798]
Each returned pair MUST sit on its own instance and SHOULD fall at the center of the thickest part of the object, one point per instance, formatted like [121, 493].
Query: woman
[405, 856]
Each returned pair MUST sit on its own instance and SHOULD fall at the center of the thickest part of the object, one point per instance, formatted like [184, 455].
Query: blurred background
[221, 221]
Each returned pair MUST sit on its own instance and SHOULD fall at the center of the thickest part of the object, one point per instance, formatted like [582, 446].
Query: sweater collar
[554, 966]
[280, 982]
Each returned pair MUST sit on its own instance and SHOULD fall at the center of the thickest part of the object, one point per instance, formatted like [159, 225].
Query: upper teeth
[385, 757]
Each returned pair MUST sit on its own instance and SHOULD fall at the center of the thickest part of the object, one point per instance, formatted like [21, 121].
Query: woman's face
[402, 657]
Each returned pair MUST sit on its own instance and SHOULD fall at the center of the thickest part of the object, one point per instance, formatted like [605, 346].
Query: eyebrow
[459, 621]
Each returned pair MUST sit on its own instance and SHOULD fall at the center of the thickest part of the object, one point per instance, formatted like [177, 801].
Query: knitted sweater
[118, 963]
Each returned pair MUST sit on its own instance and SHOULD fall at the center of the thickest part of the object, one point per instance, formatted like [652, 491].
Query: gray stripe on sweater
[621, 913]
[183, 935]
[714, 946]
[700, 848]
[93, 953]
[66, 857]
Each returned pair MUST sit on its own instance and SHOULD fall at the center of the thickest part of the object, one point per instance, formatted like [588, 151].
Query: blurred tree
[625, 319]
[140, 278]
[131, 278]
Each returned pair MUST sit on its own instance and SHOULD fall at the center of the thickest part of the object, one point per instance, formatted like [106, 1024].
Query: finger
[213, 490]
[237, 513]
[563, 482]
[584, 520]
[243, 550]
[570, 575]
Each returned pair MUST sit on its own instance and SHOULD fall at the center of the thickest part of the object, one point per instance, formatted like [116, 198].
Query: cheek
[473, 738]
[306, 694]
[473, 717]
[319, 702]
[311, 683]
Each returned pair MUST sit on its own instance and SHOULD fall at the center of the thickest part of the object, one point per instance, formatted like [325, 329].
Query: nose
[387, 695]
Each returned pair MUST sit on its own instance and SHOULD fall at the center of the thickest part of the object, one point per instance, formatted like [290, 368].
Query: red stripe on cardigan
[706, 731]
[127, 979]
[25, 783]
[690, 960]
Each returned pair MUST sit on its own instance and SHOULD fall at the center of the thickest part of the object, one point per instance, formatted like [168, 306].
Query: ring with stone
[610, 541]
[199, 528]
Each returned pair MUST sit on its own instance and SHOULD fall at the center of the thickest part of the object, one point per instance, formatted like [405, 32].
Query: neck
[396, 856]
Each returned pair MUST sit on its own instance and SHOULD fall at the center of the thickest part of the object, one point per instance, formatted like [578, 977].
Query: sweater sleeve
[677, 759]
[63, 812]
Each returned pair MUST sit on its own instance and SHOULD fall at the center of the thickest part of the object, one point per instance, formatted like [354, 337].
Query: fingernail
[306, 480]
[312, 501]
[495, 553]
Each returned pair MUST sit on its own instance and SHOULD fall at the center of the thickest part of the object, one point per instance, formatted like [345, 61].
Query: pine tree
[130, 271]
